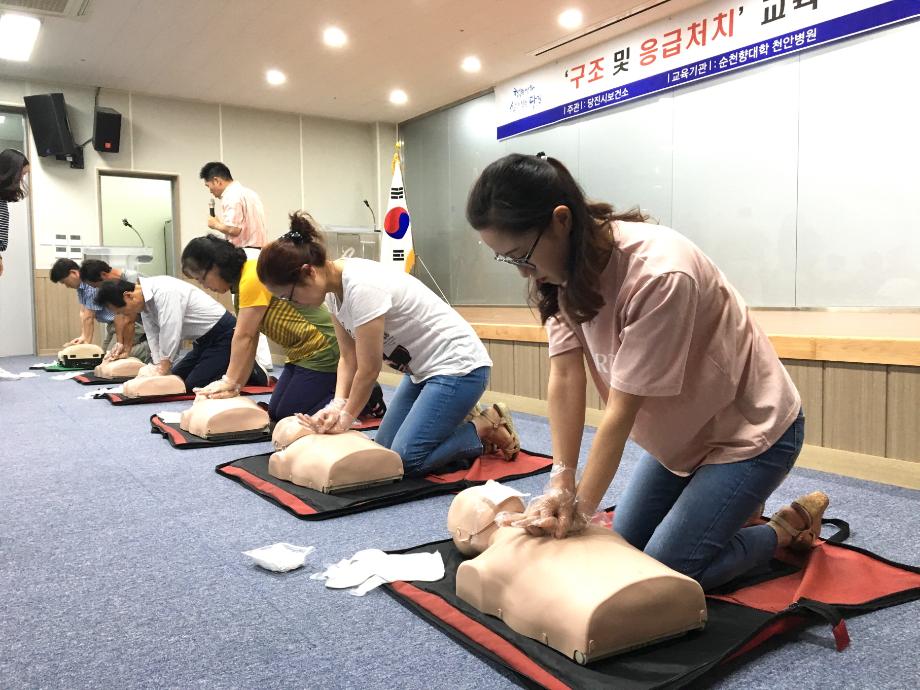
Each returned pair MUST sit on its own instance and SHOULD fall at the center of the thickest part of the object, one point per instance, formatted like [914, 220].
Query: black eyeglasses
[290, 295]
[524, 261]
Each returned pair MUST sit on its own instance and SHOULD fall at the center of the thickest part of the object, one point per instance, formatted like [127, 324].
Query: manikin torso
[212, 418]
[335, 462]
[588, 596]
[287, 431]
[84, 353]
[118, 368]
[154, 385]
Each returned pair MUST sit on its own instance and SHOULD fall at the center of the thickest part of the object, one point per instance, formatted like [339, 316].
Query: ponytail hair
[280, 261]
[517, 195]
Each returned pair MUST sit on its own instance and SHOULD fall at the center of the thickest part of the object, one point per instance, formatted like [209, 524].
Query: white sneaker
[8, 376]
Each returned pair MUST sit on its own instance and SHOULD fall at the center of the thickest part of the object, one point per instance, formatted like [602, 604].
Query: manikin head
[471, 518]
[294, 267]
[215, 263]
[66, 272]
[216, 177]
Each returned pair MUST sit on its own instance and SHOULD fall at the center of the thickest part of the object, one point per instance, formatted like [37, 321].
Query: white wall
[329, 166]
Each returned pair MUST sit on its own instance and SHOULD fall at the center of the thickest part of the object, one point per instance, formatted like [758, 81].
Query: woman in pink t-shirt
[684, 370]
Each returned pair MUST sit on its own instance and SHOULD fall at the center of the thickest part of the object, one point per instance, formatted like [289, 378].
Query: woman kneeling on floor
[683, 368]
[383, 314]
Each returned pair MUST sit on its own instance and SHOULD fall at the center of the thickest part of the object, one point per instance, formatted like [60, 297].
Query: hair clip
[541, 154]
[295, 237]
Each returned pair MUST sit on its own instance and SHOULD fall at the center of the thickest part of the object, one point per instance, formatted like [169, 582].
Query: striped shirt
[4, 225]
[86, 295]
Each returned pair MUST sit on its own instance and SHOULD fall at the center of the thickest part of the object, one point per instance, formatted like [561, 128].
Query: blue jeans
[424, 422]
[694, 524]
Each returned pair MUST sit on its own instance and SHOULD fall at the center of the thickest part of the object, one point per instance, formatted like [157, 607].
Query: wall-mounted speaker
[48, 122]
[107, 130]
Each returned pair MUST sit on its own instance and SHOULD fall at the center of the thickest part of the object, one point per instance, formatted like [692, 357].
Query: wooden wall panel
[502, 354]
[544, 370]
[808, 377]
[903, 437]
[527, 369]
[57, 315]
[855, 407]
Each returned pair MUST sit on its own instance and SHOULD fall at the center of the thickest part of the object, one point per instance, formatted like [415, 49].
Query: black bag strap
[842, 533]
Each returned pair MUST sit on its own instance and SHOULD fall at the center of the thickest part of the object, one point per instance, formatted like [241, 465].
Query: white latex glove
[216, 390]
[148, 370]
[118, 351]
[328, 417]
[556, 513]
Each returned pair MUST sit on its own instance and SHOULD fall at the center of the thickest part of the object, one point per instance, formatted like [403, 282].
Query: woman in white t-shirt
[384, 315]
[683, 368]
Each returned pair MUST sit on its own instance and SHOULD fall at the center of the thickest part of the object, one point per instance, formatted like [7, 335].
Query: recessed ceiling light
[275, 77]
[570, 19]
[334, 37]
[398, 97]
[17, 36]
[471, 64]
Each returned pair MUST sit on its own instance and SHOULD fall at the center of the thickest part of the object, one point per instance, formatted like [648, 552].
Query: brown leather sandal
[513, 447]
[811, 509]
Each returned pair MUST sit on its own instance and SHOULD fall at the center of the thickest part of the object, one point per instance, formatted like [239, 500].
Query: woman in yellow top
[307, 383]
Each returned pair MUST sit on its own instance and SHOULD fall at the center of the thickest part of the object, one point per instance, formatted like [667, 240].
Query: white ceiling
[219, 50]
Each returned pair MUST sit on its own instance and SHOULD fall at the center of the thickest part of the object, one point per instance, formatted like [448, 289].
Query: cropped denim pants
[424, 422]
[695, 524]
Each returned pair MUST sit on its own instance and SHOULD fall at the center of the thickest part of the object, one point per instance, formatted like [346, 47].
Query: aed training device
[86, 356]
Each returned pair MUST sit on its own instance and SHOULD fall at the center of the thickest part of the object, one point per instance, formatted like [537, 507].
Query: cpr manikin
[145, 386]
[118, 368]
[85, 355]
[336, 462]
[588, 596]
[287, 431]
[227, 418]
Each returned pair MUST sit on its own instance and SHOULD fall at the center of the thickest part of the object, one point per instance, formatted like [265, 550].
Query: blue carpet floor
[120, 567]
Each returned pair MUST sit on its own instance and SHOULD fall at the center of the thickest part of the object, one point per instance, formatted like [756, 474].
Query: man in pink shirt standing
[684, 370]
[241, 218]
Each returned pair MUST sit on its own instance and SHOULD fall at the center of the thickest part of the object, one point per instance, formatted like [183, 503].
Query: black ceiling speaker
[48, 122]
[107, 130]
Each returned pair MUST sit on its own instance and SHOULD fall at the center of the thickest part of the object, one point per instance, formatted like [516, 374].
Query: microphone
[141, 258]
[376, 229]
[211, 206]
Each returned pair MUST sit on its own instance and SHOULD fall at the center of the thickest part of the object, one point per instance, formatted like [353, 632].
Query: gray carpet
[121, 568]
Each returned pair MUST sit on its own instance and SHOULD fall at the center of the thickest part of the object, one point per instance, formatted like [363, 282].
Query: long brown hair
[517, 195]
[280, 261]
[12, 163]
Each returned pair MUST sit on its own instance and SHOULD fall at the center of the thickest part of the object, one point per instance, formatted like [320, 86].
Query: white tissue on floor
[370, 568]
[280, 557]
[99, 392]
[66, 376]
[170, 417]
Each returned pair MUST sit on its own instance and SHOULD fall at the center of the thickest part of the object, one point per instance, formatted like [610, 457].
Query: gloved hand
[148, 370]
[79, 340]
[218, 390]
[328, 418]
[557, 512]
[118, 351]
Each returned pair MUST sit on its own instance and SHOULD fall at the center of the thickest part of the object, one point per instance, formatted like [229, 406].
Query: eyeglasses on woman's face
[524, 261]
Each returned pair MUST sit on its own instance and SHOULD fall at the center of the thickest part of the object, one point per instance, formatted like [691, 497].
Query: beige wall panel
[178, 137]
[544, 370]
[903, 434]
[57, 315]
[855, 407]
[808, 377]
[262, 150]
[527, 370]
[340, 171]
[502, 354]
